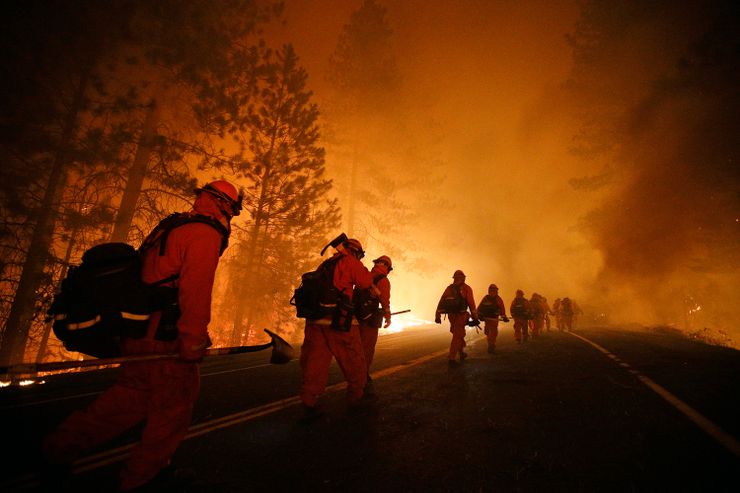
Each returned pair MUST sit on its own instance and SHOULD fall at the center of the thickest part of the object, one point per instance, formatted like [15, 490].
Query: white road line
[703, 423]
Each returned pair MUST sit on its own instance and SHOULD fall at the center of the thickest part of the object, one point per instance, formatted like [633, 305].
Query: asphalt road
[596, 410]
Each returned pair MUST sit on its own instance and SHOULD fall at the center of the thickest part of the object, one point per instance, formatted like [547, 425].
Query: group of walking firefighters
[161, 393]
[531, 316]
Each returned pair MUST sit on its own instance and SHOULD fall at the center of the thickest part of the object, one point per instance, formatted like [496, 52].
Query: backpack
[519, 308]
[367, 306]
[317, 297]
[452, 303]
[488, 307]
[566, 307]
[536, 308]
[104, 299]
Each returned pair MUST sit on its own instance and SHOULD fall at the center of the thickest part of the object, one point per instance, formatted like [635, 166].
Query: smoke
[669, 230]
[587, 150]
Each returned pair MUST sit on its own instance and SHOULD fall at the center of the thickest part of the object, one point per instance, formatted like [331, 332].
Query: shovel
[282, 352]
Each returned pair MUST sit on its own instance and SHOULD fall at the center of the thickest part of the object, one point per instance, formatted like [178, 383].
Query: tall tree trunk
[242, 280]
[136, 174]
[21, 313]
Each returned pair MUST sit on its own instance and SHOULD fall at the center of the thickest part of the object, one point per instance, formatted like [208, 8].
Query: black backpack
[454, 303]
[317, 297]
[488, 307]
[519, 308]
[367, 306]
[104, 299]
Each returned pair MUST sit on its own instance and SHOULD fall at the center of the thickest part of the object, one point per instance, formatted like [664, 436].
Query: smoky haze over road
[584, 149]
[553, 414]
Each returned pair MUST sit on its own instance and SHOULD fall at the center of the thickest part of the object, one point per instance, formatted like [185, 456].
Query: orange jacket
[349, 272]
[384, 288]
[192, 251]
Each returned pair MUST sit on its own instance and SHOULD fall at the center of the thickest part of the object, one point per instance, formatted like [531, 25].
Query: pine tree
[290, 215]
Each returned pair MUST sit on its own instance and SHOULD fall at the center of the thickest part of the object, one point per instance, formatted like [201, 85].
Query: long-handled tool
[282, 352]
[402, 311]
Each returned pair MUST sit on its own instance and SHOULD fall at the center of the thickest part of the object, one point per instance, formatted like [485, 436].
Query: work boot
[452, 362]
[168, 480]
[463, 355]
[361, 407]
[56, 477]
[491, 349]
[369, 389]
[311, 414]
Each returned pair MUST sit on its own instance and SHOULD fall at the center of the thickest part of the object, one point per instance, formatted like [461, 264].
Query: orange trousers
[320, 345]
[521, 329]
[490, 328]
[369, 337]
[159, 393]
[457, 328]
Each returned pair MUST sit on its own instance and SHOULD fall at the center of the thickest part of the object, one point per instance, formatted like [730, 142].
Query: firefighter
[566, 313]
[456, 299]
[161, 394]
[373, 309]
[537, 310]
[520, 311]
[558, 316]
[548, 312]
[335, 337]
[490, 308]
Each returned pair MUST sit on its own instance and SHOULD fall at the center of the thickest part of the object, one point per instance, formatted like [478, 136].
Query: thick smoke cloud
[589, 148]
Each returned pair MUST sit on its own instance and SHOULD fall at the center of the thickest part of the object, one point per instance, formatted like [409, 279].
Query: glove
[505, 318]
[438, 319]
[387, 321]
[474, 322]
[193, 353]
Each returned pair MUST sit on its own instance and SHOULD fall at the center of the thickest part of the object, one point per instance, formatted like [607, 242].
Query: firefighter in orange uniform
[556, 310]
[371, 316]
[334, 336]
[548, 312]
[456, 299]
[490, 308]
[161, 394]
[568, 309]
[520, 311]
[537, 311]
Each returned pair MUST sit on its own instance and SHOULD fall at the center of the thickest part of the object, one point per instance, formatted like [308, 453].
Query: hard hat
[225, 191]
[386, 260]
[355, 245]
[492, 286]
[458, 273]
[519, 292]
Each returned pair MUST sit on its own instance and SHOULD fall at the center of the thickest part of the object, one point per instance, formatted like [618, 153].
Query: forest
[611, 177]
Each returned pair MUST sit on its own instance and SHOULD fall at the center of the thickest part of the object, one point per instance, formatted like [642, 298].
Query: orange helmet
[222, 189]
[384, 259]
[355, 246]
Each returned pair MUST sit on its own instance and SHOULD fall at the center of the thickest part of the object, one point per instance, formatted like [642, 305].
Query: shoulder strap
[161, 232]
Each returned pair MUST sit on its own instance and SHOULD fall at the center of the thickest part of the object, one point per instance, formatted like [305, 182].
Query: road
[601, 409]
